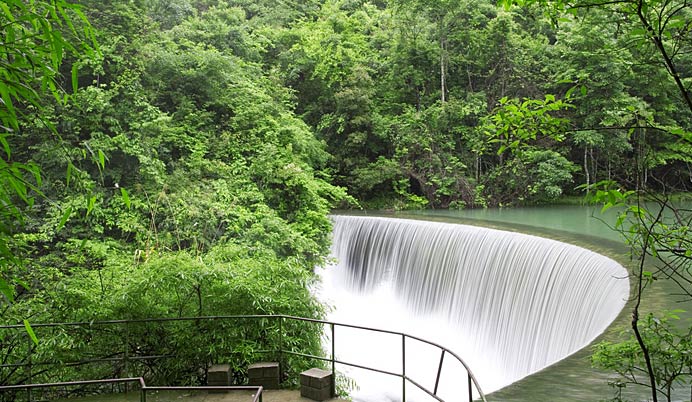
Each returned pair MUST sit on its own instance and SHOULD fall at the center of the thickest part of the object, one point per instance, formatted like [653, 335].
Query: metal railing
[471, 381]
[143, 388]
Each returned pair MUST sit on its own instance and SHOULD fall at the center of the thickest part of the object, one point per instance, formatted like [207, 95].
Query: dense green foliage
[33, 49]
[415, 99]
[180, 158]
[175, 181]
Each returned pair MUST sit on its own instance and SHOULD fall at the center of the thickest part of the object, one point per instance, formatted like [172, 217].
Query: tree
[427, 150]
[333, 66]
[659, 238]
[661, 24]
[668, 349]
[37, 36]
[522, 132]
[188, 173]
[443, 15]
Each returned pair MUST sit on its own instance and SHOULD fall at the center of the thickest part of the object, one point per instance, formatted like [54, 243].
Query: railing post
[439, 371]
[31, 376]
[468, 375]
[142, 390]
[331, 324]
[281, 342]
[126, 356]
[403, 367]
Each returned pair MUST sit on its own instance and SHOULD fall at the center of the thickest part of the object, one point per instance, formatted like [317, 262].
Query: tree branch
[670, 66]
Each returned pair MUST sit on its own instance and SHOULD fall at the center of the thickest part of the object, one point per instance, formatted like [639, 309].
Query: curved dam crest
[512, 303]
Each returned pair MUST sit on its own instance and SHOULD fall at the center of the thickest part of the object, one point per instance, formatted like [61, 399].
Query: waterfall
[509, 304]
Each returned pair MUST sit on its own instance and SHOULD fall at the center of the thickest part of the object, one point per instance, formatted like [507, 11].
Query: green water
[572, 379]
[581, 220]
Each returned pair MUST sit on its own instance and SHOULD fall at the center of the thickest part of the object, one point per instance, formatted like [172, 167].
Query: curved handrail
[463, 363]
[471, 377]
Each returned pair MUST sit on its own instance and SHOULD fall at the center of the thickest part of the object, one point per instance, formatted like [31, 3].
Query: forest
[174, 158]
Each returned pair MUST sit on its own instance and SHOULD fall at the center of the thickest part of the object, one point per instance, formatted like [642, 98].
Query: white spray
[509, 304]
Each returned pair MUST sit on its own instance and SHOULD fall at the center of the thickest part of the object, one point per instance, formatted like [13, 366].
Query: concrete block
[316, 384]
[219, 374]
[265, 374]
[315, 394]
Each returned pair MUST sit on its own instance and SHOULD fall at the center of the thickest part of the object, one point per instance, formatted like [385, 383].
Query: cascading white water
[509, 304]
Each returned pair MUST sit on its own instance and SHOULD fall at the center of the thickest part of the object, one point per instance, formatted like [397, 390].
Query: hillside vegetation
[169, 158]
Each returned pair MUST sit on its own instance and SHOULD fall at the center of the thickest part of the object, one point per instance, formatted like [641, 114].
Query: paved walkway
[180, 396]
[245, 396]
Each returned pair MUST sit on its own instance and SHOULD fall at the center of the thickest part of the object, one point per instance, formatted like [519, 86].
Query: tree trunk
[610, 169]
[638, 297]
[594, 165]
[478, 166]
[443, 74]
[468, 73]
[418, 106]
[586, 169]
[645, 352]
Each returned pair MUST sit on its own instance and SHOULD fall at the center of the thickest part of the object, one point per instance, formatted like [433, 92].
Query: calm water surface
[582, 220]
